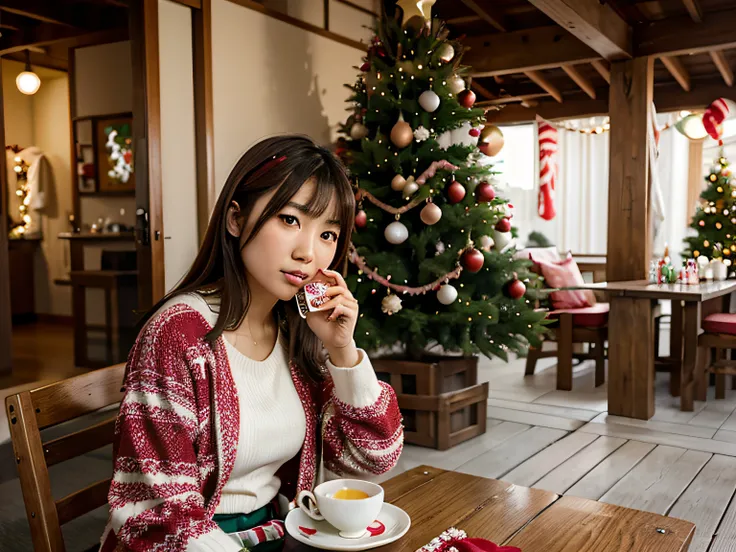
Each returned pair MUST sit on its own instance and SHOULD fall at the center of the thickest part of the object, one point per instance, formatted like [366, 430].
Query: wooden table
[531, 519]
[631, 339]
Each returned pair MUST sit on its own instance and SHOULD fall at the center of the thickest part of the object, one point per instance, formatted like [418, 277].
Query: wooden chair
[569, 330]
[31, 411]
[714, 354]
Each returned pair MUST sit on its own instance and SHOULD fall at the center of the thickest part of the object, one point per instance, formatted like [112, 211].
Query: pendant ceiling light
[28, 81]
[692, 127]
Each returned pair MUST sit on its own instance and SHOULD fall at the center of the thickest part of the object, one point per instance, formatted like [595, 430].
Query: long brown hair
[283, 163]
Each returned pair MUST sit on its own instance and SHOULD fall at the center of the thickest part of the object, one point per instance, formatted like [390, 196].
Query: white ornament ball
[391, 304]
[396, 233]
[398, 183]
[430, 214]
[444, 140]
[429, 101]
[456, 84]
[447, 294]
[486, 243]
[501, 239]
[358, 131]
[446, 52]
[410, 189]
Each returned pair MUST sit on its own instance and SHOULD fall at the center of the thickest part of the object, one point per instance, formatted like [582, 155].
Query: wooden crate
[441, 404]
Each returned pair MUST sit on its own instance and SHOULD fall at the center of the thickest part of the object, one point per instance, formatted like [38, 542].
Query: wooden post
[630, 369]
[6, 328]
[630, 101]
[695, 182]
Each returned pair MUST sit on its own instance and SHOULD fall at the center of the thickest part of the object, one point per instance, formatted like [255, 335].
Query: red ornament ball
[504, 225]
[365, 67]
[455, 192]
[466, 98]
[474, 132]
[485, 193]
[361, 219]
[516, 289]
[472, 260]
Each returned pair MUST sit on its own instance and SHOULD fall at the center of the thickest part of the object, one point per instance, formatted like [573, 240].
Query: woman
[230, 405]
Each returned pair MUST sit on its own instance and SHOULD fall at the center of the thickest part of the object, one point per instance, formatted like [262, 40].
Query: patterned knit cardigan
[177, 433]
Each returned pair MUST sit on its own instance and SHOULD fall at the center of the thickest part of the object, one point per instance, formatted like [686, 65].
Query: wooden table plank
[579, 525]
[642, 288]
[404, 483]
[452, 498]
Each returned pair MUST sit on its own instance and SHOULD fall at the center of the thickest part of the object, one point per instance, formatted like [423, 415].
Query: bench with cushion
[714, 353]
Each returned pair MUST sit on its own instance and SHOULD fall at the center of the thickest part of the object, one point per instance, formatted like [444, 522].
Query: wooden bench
[531, 519]
[31, 411]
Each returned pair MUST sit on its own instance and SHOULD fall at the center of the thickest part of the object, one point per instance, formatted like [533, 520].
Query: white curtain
[581, 196]
[581, 224]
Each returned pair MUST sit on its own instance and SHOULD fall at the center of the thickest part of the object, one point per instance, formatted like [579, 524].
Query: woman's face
[291, 247]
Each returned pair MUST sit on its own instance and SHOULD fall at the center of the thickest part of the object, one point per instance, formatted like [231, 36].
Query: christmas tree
[431, 260]
[715, 217]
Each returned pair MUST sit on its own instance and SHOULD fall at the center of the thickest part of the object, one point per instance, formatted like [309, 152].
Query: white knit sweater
[272, 423]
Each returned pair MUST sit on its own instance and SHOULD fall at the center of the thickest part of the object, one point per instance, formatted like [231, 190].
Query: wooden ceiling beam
[720, 61]
[681, 35]
[540, 80]
[667, 98]
[491, 15]
[677, 70]
[596, 24]
[603, 69]
[693, 8]
[512, 99]
[584, 84]
[529, 50]
[463, 19]
[482, 90]
[86, 16]
[47, 33]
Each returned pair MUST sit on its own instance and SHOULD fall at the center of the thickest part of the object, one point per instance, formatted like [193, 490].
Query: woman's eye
[330, 236]
[289, 220]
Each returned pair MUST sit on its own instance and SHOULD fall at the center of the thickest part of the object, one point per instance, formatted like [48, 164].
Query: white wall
[270, 77]
[178, 155]
[51, 129]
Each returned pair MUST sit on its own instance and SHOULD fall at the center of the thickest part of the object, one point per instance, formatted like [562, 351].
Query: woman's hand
[335, 322]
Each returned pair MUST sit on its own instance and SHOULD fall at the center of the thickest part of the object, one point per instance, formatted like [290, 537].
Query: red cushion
[722, 322]
[589, 317]
[566, 274]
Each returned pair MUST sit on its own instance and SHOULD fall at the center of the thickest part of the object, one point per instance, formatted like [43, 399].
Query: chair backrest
[31, 411]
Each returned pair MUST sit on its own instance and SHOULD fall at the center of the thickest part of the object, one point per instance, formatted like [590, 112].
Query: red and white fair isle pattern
[177, 433]
[547, 169]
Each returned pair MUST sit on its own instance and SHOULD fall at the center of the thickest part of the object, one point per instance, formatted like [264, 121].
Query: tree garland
[359, 261]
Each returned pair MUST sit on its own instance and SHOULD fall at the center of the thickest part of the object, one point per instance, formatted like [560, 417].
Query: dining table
[533, 520]
[631, 353]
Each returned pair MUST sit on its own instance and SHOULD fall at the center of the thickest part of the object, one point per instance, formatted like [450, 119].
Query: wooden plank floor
[680, 464]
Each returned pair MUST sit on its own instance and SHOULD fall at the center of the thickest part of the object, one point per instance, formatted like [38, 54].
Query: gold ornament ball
[415, 24]
[431, 214]
[402, 134]
[398, 183]
[456, 84]
[491, 140]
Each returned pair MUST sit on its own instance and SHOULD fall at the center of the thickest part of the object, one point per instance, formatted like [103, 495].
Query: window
[518, 160]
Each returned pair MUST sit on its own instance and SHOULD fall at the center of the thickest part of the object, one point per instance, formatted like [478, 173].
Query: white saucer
[391, 525]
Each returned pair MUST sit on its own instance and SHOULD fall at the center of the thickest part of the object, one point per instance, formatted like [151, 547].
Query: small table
[531, 519]
[631, 339]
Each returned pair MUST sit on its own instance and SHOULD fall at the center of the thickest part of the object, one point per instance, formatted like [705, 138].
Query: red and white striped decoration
[547, 168]
[269, 531]
[717, 112]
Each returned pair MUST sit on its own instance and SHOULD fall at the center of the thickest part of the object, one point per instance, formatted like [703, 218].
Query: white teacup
[350, 517]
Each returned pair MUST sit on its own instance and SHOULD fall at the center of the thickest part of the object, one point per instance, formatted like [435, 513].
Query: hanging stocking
[717, 112]
[547, 169]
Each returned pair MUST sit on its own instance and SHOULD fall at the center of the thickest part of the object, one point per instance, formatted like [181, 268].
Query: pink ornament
[361, 219]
